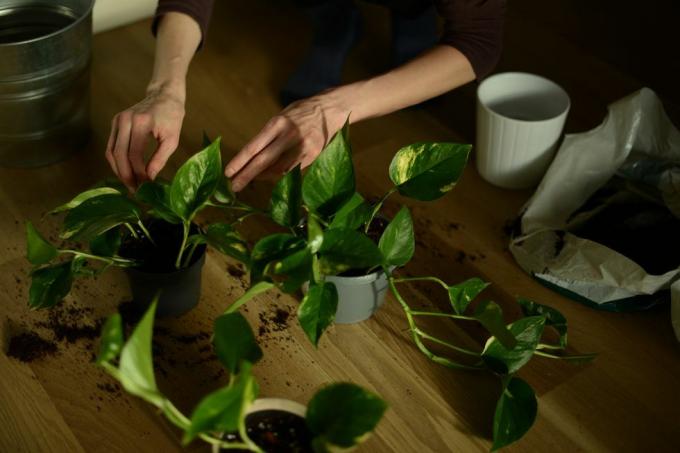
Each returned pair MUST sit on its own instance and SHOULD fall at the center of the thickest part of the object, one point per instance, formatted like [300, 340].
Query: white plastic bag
[635, 134]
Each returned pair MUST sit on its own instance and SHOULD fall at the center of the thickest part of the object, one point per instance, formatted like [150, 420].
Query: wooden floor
[627, 400]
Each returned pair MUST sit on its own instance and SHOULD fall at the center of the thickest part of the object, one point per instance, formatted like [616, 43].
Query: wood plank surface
[627, 400]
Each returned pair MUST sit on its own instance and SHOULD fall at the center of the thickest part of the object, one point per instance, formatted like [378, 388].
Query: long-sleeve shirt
[474, 27]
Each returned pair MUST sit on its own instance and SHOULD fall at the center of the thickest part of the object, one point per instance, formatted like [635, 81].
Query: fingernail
[229, 172]
[236, 187]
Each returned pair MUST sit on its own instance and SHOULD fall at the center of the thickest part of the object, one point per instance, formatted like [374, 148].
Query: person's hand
[159, 116]
[295, 136]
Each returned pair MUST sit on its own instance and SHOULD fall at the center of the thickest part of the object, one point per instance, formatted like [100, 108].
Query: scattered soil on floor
[29, 346]
[275, 320]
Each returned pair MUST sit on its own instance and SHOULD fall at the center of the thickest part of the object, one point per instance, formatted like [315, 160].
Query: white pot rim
[277, 404]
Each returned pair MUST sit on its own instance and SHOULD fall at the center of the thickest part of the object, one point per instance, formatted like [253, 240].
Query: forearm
[435, 72]
[176, 42]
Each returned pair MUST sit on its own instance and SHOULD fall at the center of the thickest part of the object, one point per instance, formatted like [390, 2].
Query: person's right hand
[159, 116]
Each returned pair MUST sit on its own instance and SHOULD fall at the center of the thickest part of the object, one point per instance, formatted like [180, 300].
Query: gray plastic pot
[180, 290]
[358, 297]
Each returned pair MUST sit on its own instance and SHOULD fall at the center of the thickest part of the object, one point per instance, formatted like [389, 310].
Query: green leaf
[196, 181]
[329, 182]
[269, 249]
[84, 196]
[426, 171]
[317, 310]
[95, 216]
[552, 317]
[223, 193]
[344, 249]
[352, 214]
[515, 413]
[223, 410]
[136, 361]
[462, 294]
[49, 285]
[253, 291]
[314, 234]
[527, 332]
[38, 250]
[286, 201]
[107, 243]
[296, 269]
[227, 240]
[157, 195]
[342, 415]
[112, 339]
[397, 242]
[234, 342]
[490, 315]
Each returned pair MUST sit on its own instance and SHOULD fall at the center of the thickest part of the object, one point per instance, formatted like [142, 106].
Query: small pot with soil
[275, 425]
[338, 416]
[180, 289]
[150, 233]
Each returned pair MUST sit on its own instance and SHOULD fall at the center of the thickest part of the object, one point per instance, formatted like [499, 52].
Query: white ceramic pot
[272, 404]
[520, 118]
[358, 297]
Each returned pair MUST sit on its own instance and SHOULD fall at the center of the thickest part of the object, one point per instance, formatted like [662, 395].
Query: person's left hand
[295, 136]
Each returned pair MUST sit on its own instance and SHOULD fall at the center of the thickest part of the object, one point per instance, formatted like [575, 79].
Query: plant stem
[132, 230]
[107, 260]
[185, 235]
[377, 207]
[187, 259]
[420, 279]
[549, 346]
[146, 232]
[565, 357]
[446, 343]
[443, 315]
[416, 337]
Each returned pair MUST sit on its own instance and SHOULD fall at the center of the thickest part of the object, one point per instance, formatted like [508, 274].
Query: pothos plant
[338, 416]
[334, 238]
[106, 215]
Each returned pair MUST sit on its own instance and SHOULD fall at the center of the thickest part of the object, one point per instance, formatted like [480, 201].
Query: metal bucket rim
[87, 13]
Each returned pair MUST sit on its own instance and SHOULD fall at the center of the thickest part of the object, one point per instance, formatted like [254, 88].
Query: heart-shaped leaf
[83, 196]
[136, 361]
[462, 294]
[227, 240]
[107, 243]
[196, 181]
[397, 242]
[490, 315]
[342, 415]
[329, 182]
[156, 194]
[286, 201]
[272, 248]
[253, 291]
[527, 332]
[223, 410]
[515, 413]
[552, 317]
[97, 215]
[111, 339]
[344, 249]
[317, 310]
[49, 285]
[38, 250]
[234, 342]
[352, 214]
[296, 269]
[426, 171]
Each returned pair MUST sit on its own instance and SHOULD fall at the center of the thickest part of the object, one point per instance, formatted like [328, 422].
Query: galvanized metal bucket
[44, 79]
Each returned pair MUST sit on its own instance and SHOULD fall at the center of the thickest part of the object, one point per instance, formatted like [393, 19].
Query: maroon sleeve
[199, 10]
[475, 28]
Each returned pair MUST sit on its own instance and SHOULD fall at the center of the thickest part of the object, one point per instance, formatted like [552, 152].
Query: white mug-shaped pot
[520, 118]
